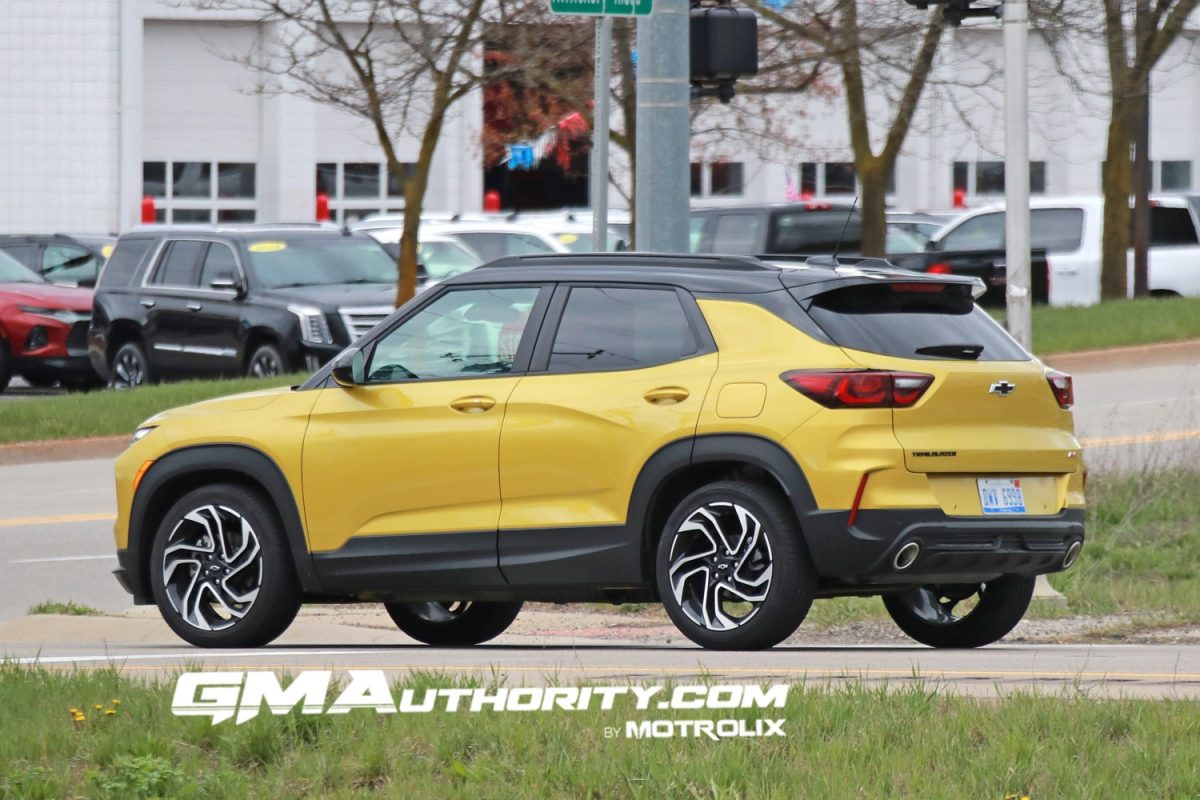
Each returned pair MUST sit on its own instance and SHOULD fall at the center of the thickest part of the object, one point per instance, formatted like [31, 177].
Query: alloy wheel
[439, 612]
[943, 604]
[720, 566]
[265, 364]
[212, 567]
[128, 369]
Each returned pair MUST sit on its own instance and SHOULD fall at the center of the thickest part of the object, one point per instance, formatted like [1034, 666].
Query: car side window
[522, 244]
[985, 232]
[25, 253]
[68, 263]
[737, 234]
[1056, 230]
[219, 262]
[463, 333]
[178, 264]
[1171, 227]
[614, 328]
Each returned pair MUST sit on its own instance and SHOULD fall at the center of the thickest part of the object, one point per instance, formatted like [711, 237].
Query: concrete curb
[1147, 355]
[62, 450]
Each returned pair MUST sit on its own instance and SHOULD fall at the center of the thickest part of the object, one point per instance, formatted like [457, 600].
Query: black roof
[246, 233]
[696, 272]
[803, 205]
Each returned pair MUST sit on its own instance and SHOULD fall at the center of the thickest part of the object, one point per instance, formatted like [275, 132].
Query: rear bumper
[952, 549]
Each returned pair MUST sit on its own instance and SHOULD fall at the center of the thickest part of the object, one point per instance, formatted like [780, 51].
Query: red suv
[43, 329]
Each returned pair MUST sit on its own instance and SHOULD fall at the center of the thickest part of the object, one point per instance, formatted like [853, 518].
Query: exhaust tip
[906, 555]
[1072, 554]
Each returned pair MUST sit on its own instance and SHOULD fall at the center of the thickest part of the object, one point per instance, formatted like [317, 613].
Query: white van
[1070, 230]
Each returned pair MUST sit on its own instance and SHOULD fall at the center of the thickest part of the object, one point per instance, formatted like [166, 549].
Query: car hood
[247, 401]
[47, 295]
[335, 296]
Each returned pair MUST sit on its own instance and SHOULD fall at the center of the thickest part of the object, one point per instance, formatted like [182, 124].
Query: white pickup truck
[1069, 230]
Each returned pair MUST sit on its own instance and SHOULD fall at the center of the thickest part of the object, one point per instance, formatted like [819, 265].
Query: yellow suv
[723, 435]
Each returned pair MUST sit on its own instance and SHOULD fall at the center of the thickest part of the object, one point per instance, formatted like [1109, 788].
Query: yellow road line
[1142, 438]
[58, 519]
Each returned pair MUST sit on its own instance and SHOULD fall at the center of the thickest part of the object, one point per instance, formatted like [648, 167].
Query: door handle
[475, 404]
[667, 395]
[194, 306]
[147, 304]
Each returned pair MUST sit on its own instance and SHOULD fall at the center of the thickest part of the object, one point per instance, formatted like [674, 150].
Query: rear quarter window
[815, 233]
[123, 264]
[894, 320]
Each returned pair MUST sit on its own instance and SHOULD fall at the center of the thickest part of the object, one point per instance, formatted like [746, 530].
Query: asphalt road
[56, 543]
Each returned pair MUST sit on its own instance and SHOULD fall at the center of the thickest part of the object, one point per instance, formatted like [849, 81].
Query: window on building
[201, 191]
[725, 178]
[987, 177]
[835, 178]
[697, 172]
[360, 188]
[1175, 176]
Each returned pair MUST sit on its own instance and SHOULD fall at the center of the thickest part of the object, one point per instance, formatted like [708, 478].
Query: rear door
[168, 297]
[990, 408]
[618, 373]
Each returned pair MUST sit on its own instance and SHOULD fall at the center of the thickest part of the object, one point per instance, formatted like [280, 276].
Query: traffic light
[958, 10]
[724, 47]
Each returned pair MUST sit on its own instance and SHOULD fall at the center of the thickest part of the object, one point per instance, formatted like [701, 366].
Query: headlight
[314, 329]
[60, 314]
[141, 432]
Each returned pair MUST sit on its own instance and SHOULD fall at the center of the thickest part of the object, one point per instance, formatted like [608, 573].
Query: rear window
[124, 261]
[815, 232]
[909, 321]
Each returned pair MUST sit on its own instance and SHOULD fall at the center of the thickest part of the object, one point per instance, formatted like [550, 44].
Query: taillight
[940, 268]
[1063, 388]
[844, 388]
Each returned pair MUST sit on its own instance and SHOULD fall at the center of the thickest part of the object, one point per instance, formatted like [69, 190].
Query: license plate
[1001, 496]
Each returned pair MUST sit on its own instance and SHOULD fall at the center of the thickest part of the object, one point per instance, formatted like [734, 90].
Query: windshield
[443, 259]
[323, 261]
[13, 271]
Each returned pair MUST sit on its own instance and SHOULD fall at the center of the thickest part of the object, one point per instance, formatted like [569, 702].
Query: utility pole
[1141, 162]
[663, 128]
[1016, 169]
[600, 121]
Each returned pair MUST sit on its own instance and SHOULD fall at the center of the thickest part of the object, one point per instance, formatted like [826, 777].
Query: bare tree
[400, 65]
[876, 49]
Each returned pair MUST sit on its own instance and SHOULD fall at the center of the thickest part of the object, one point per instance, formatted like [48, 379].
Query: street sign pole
[663, 128]
[600, 122]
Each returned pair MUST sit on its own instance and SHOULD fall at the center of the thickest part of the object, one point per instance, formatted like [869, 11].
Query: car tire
[130, 368]
[747, 536]
[926, 613]
[236, 589]
[448, 624]
[265, 362]
[5, 366]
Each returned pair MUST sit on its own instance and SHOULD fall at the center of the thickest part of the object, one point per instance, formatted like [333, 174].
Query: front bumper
[68, 367]
[952, 549]
[128, 575]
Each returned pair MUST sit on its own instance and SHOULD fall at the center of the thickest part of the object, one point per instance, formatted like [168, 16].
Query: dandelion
[99, 706]
[110, 712]
[74, 711]
[116, 702]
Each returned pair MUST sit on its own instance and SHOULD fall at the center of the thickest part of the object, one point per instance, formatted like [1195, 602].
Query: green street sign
[615, 8]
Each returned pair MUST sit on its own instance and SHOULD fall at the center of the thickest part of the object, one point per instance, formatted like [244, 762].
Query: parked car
[440, 257]
[717, 434]
[59, 258]
[1070, 231]
[574, 229]
[786, 229]
[494, 239]
[43, 329]
[197, 301]
[924, 225]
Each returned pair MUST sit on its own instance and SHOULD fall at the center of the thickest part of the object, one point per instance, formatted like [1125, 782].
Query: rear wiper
[967, 352]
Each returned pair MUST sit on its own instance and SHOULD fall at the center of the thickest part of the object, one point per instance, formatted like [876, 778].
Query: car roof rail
[633, 258]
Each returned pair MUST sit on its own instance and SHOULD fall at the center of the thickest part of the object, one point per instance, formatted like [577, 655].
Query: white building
[106, 101]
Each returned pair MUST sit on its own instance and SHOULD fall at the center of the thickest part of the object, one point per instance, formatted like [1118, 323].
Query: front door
[624, 375]
[400, 473]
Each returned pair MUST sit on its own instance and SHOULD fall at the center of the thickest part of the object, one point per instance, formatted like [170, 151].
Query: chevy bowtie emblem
[1002, 388]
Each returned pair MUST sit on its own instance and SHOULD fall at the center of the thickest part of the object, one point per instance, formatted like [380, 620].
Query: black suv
[802, 229]
[59, 258]
[193, 302]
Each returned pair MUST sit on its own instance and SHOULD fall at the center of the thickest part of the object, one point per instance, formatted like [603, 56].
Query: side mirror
[226, 284]
[350, 368]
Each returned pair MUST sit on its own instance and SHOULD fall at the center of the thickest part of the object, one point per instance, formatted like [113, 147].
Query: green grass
[70, 608]
[108, 412]
[848, 742]
[1118, 323]
[1142, 558]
